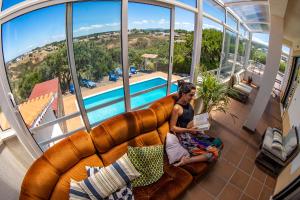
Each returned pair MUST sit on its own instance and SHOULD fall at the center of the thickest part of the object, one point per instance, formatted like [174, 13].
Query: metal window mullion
[11, 112]
[196, 55]
[56, 121]
[60, 136]
[236, 51]
[222, 53]
[124, 51]
[171, 49]
[248, 51]
[72, 64]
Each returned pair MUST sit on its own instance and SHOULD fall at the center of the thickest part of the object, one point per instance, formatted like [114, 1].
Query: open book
[201, 121]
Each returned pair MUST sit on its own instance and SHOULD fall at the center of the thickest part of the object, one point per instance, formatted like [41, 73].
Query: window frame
[31, 5]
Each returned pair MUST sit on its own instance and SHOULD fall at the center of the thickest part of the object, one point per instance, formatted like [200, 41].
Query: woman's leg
[200, 158]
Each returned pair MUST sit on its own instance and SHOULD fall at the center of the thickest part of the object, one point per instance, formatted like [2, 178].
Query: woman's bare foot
[183, 161]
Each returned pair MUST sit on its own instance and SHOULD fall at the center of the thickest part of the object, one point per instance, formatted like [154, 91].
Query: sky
[47, 25]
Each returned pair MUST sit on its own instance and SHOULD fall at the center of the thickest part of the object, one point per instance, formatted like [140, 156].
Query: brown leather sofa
[49, 176]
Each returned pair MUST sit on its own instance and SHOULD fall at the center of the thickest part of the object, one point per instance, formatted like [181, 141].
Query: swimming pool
[117, 108]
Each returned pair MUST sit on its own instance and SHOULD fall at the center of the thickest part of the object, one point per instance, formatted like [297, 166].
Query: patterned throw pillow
[149, 162]
[109, 179]
[277, 141]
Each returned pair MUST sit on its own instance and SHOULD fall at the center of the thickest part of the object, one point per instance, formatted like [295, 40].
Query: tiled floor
[235, 175]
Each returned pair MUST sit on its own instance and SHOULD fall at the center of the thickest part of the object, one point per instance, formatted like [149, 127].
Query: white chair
[241, 86]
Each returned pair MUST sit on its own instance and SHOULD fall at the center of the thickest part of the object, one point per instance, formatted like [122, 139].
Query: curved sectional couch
[49, 176]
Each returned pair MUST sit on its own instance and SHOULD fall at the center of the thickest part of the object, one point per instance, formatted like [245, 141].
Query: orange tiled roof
[32, 108]
[45, 88]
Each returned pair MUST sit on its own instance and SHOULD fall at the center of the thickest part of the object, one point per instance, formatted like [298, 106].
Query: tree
[211, 48]
[282, 66]
[258, 56]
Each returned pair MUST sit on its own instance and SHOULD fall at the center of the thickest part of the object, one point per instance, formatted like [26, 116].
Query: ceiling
[292, 22]
[254, 13]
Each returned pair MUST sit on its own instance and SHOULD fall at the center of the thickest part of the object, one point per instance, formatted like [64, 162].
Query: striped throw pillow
[76, 192]
[123, 193]
[109, 179]
[277, 141]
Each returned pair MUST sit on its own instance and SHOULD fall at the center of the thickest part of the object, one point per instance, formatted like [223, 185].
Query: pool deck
[70, 103]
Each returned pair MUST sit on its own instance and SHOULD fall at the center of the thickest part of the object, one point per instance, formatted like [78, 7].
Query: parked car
[119, 71]
[112, 76]
[87, 83]
[71, 88]
[133, 70]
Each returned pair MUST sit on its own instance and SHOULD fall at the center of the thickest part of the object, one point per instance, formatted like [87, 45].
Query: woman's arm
[176, 112]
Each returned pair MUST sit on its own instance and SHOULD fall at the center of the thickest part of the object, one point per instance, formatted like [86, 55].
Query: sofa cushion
[267, 145]
[149, 162]
[122, 128]
[196, 169]
[163, 108]
[290, 141]
[77, 173]
[45, 173]
[173, 183]
[163, 130]
[146, 139]
[249, 88]
[242, 89]
[109, 179]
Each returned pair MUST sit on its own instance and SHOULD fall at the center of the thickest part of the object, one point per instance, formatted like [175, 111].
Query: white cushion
[174, 149]
[237, 77]
[290, 141]
[267, 145]
[246, 86]
[242, 89]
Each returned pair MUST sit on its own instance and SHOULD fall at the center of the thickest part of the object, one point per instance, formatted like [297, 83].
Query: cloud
[184, 25]
[207, 26]
[95, 27]
[258, 40]
[163, 21]
[149, 23]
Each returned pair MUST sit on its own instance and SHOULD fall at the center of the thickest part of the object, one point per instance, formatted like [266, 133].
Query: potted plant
[214, 94]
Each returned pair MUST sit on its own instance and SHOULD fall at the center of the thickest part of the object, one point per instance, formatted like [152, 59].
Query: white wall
[14, 162]
[294, 108]
[256, 78]
[50, 131]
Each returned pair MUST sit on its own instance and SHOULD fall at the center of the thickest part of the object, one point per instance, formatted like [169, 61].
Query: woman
[201, 147]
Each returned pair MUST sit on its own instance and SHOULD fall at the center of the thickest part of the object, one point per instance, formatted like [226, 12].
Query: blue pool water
[117, 108]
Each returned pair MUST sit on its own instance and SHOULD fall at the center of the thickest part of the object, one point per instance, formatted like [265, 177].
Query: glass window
[231, 21]
[148, 49]
[212, 38]
[183, 44]
[243, 31]
[97, 51]
[229, 50]
[212, 8]
[240, 59]
[9, 3]
[189, 2]
[4, 124]
[35, 56]
[259, 50]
